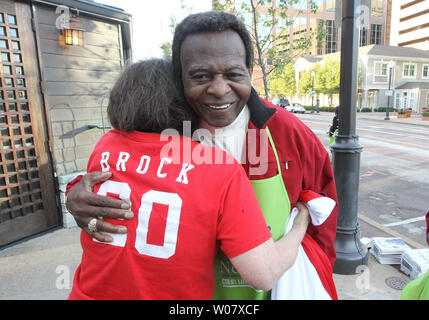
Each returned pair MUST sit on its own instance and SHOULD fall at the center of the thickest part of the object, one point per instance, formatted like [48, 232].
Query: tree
[166, 50]
[305, 84]
[282, 82]
[184, 11]
[269, 26]
[328, 78]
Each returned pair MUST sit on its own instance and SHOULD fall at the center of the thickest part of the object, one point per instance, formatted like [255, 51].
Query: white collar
[240, 123]
[230, 138]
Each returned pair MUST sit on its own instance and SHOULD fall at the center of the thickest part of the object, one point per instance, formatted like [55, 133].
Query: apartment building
[406, 68]
[410, 24]
[307, 24]
[409, 74]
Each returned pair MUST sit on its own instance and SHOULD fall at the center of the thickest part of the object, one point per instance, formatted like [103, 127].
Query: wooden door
[28, 203]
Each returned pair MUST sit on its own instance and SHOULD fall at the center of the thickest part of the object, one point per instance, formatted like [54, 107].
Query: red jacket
[304, 162]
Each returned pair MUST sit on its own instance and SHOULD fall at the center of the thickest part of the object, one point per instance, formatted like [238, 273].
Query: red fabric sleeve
[319, 177]
[72, 183]
[241, 224]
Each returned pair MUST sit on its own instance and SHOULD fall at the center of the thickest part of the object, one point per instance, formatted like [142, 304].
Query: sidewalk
[415, 119]
[43, 268]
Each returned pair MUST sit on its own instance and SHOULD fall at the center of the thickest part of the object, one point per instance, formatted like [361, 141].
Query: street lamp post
[351, 253]
[390, 66]
[312, 90]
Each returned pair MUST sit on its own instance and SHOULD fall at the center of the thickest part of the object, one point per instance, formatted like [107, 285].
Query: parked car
[296, 108]
[281, 102]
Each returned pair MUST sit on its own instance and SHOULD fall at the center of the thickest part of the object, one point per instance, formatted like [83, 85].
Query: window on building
[398, 101]
[300, 25]
[330, 5]
[413, 100]
[381, 69]
[331, 36]
[381, 73]
[363, 37]
[409, 70]
[427, 100]
[375, 34]
[318, 4]
[320, 35]
[372, 98]
[300, 5]
[425, 71]
[377, 8]
[299, 31]
[282, 24]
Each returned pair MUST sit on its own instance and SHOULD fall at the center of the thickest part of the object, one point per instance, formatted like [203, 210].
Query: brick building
[307, 24]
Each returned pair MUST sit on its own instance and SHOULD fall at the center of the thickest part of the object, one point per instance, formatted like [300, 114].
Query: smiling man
[215, 78]
[213, 59]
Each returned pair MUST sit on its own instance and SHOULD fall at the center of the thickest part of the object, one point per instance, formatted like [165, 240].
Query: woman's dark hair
[210, 21]
[146, 98]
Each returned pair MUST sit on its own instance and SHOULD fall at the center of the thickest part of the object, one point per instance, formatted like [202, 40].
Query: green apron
[274, 202]
[332, 139]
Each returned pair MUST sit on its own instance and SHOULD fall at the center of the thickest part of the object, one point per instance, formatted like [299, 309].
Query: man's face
[215, 77]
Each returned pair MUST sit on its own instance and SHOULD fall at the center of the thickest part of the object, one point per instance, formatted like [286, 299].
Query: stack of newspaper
[388, 250]
[415, 262]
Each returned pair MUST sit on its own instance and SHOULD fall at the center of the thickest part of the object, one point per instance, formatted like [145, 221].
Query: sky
[151, 21]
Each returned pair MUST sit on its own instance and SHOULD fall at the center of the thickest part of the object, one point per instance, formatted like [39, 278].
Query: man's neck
[230, 138]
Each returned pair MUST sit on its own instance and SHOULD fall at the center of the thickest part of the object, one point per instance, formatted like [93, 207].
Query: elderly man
[213, 58]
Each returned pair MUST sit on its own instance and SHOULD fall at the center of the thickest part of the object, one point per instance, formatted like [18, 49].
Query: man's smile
[219, 106]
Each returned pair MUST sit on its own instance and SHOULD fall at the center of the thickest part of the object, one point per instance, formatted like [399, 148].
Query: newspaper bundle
[388, 250]
[415, 262]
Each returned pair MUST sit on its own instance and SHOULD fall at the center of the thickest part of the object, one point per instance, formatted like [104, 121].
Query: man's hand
[84, 205]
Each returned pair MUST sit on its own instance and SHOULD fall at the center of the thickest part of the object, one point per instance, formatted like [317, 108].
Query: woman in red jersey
[184, 210]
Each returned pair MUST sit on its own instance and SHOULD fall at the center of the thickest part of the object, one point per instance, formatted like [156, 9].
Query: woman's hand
[84, 205]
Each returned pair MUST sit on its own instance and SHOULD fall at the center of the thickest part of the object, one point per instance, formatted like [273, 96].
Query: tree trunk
[260, 60]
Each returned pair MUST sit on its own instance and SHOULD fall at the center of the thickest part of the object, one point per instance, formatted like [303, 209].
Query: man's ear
[250, 70]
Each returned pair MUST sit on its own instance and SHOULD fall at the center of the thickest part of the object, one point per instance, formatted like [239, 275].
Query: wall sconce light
[70, 26]
[73, 35]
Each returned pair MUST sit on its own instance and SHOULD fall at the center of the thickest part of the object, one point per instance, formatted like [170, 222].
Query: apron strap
[278, 164]
[274, 148]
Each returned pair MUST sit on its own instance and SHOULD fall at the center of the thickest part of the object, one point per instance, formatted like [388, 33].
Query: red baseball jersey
[188, 200]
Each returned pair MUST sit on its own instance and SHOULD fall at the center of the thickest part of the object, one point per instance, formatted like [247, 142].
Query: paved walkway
[43, 268]
[414, 119]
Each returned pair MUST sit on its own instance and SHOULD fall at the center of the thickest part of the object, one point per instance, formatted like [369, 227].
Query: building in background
[406, 68]
[307, 24]
[59, 59]
[410, 24]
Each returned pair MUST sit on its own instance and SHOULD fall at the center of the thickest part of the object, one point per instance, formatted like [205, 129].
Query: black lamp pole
[390, 93]
[346, 150]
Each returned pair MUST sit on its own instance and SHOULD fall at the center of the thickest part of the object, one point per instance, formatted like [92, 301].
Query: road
[394, 175]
